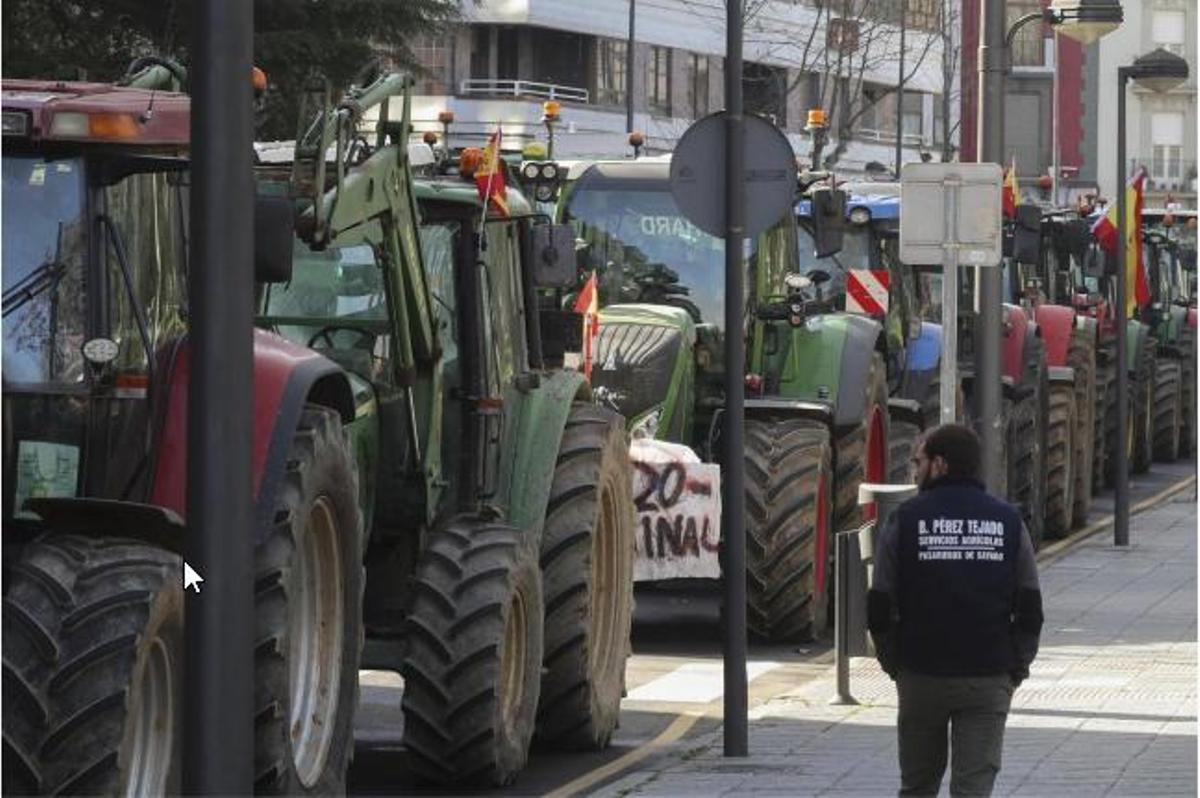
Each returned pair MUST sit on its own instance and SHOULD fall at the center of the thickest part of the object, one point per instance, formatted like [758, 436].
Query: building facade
[1161, 128]
[1036, 122]
[509, 56]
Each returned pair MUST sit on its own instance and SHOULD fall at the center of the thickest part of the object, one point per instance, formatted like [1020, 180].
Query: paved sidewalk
[1109, 708]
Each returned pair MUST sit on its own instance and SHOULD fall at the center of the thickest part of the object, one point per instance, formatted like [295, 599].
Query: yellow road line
[669, 735]
[683, 723]
[1057, 549]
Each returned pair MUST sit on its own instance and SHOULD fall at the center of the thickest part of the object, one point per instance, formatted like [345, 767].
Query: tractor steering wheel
[326, 334]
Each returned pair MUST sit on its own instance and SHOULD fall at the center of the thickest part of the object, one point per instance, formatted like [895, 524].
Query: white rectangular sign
[951, 204]
[678, 502]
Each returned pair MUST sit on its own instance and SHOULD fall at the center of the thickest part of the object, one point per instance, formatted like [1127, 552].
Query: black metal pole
[990, 140]
[900, 96]
[629, 61]
[1121, 466]
[218, 754]
[733, 515]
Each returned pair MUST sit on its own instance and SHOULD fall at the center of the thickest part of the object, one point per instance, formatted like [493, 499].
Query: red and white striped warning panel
[867, 291]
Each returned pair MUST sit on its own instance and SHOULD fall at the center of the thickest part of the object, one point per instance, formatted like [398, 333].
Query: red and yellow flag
[588, 305]
[489, 176]
[1010, 195]
[1105, 231]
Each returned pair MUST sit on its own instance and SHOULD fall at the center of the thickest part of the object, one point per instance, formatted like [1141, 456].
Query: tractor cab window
[335, 302]
[504, 317]
[147, 213]
[44, 246]
[857, 253]
[439, 248]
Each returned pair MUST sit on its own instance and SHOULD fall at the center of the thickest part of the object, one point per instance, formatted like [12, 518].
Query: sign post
[957, 221]
[754, 190]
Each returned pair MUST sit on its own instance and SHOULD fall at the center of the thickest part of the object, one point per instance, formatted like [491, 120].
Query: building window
[1028, 48]
[610, 71]
[435, 56]
[1169, 29]
[765, 92]
[912, 123]
[939, 118]
[872, 115]
[698, 84]
[658, 80]
[1166, 131]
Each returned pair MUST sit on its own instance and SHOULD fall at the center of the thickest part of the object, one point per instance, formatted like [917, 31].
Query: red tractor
[95, 371]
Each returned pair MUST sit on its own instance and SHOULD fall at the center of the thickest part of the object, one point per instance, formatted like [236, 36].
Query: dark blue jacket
[955, 589]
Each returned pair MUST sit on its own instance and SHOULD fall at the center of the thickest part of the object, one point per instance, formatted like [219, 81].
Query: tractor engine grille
[632, 368]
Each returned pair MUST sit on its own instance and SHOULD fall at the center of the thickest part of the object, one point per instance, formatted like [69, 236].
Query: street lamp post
[1157, 71]
[1085, 21]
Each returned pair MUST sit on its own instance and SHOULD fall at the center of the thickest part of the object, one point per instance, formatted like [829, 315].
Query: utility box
[951, 205]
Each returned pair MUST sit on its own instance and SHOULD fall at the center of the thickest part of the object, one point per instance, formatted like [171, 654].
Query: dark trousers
[974, 708]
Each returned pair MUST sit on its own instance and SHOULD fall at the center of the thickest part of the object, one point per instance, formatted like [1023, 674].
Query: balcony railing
[888, 137]
[1167, 174]
[487, 87]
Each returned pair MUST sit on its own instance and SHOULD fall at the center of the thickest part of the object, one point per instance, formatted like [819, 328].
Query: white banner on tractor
[867, 291]
[678, 500]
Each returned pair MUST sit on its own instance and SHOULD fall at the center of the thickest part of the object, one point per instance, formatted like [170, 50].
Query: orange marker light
[258, 79]
[551, 110]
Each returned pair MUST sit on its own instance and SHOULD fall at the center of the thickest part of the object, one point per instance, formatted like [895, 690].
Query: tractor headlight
[530, 171]
[549, 171]
[544, 193]
[860, 216]
[647, 426]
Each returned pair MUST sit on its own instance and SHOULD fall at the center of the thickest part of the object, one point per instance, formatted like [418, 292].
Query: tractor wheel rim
[512, 661]
[153, 721]
[603, 606]
[315, 629]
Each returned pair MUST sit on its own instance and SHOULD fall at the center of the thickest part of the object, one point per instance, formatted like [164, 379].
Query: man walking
[955, 613]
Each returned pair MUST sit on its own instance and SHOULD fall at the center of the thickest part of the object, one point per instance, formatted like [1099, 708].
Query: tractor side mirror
[274, 237]
[829, 220]
[552, 247]
[1027, 235]
[1076, 238]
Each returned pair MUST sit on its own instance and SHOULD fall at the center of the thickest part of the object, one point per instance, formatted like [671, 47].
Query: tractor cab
[94, 276]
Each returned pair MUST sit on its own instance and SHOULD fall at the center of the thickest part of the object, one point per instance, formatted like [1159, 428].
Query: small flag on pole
[489, 176]
[1011, 194]
[588, 305]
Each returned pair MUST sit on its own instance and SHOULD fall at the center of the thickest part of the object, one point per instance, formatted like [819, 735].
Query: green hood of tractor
[644, 368]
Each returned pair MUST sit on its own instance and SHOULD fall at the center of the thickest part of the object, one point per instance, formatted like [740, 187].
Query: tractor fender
[1012, 344]
[540, 424]
[1135, 337]
[286, 377]
[830, 351]
[1061, 374]
[1056, 322]
[906, 410]
[796, 408]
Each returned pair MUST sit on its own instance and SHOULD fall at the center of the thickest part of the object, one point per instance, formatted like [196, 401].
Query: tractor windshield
[44, 241]
[643, 249]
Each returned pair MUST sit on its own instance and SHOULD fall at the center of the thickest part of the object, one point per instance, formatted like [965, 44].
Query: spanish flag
[588, 305]
[489, 176]
[1010, 195]
[1105, 229]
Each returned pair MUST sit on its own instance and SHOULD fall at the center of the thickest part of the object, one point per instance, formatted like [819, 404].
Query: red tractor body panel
[1056, 322]
[278, 366]
[1012, 347]
[130, 116]
[1191, 318]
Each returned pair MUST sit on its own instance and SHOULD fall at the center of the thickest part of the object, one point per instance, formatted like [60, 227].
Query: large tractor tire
[1113, 439]
[1187, 410]
[308, 591]
[1142, 410]
[472, 672]
[105, 619]
[1022, 463]
[902, 446]
[788, 538]
[93, 655]
[587, 576]
[1167, 379]
[1082, 358]
[1060, 461]
[860, 454]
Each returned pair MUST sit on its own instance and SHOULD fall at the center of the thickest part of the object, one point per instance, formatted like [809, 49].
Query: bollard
[854, 553]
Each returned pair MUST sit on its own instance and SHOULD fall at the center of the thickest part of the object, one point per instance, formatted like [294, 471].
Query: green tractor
[1169, 256]
[496, 493]
[816, 391]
